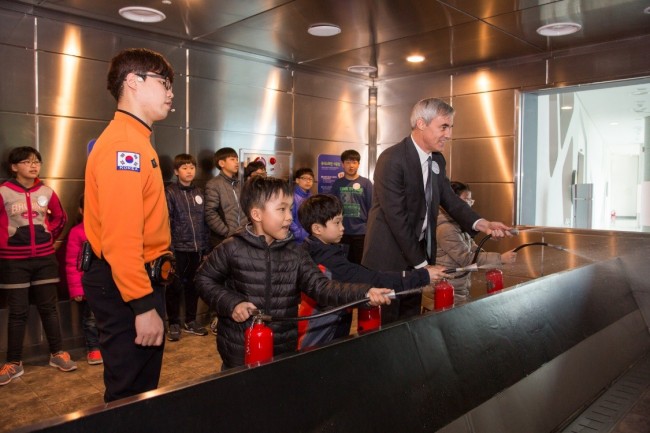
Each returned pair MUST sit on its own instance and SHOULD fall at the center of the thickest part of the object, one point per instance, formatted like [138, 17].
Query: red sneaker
[94, 357]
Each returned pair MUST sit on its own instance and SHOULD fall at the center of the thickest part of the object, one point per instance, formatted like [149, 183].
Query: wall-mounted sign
[330, 168]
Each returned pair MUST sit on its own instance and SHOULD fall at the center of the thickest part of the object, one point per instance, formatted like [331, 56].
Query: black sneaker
[174, 332]
[193, 328]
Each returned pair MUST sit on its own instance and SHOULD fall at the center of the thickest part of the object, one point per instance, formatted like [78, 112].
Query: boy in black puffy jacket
[260, 267]
[322, 216]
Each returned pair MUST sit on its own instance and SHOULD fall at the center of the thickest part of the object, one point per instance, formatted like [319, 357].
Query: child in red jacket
[76, 238]
[31, 218]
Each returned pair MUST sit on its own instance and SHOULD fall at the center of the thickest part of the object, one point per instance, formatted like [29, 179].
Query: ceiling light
[324, 29]
[415, 58]
[613, 123]
[559, 29]
[566, 107]
[362, 69]
[142, 14]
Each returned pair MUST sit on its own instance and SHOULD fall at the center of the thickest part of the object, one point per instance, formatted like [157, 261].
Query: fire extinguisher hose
[268, 318]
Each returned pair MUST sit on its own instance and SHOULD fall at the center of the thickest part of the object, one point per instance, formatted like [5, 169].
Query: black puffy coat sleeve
[325, 291]
[213, 282]
[334, 258]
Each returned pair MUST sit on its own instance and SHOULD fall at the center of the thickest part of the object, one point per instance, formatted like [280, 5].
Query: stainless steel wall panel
[409, 90]
[72, 86]
[15, 130]
[486, 114]
[500, 77]
[63, 143]
[93, 43]
[16, 29]
[219, 106]
[494, 201]
[324, 86]
[326, 119]
[393, 123]
[69, 192]
[617, 61]
[204, 143]
[17, 80]
[168, 141]
[222, 67]
[482, 160]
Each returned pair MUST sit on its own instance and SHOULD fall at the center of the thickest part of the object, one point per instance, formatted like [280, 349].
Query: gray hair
[428, 109]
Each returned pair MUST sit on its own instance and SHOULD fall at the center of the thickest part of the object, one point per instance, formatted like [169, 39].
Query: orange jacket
[125, 213]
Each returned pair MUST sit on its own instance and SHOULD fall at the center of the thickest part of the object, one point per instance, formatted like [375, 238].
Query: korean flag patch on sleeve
[128, 161]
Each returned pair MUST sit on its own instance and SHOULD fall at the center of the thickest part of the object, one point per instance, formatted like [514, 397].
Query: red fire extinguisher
[494, 279]
[368, 319]
[259, 342]
[443, 295]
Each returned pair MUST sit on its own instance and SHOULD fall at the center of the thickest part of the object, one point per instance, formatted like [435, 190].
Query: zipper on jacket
[234, 192]
[32, 232]
[267, 289]
[189, 212]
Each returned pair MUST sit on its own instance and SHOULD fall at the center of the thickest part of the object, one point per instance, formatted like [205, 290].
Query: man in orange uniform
[127, 225]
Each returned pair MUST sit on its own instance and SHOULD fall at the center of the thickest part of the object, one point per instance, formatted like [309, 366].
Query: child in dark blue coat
[322, 216]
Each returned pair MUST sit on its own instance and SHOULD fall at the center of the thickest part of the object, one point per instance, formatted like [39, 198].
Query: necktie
[428, 194]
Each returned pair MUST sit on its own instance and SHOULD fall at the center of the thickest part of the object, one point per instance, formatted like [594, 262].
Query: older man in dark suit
[410, 183]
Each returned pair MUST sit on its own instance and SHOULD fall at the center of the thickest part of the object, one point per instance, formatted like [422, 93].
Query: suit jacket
[399, 208]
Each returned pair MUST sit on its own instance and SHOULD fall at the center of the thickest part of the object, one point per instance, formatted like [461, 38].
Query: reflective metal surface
[450, 33]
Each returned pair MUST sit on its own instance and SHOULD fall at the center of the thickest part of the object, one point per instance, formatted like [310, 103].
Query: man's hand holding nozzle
[379, 296]
[436, 273]
[495, 229]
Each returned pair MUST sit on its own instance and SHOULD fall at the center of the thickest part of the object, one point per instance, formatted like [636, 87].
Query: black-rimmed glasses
[165, 80]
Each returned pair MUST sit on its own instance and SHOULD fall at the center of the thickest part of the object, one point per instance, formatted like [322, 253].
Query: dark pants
[186, 265]
[33, 279]
[44, 296]
[129, 369]
[355, 242]
[89, 326]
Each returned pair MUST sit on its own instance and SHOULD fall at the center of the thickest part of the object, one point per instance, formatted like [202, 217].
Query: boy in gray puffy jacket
[260, 267]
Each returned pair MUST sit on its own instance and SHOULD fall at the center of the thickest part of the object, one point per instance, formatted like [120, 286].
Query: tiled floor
[44, 392]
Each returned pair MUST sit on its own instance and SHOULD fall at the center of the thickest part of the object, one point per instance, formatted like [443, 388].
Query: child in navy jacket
[322, 216]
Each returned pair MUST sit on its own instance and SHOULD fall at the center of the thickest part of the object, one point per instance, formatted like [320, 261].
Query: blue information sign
[329, 169]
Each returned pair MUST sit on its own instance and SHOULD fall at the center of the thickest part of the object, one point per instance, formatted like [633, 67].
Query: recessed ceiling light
[566, 107]
[324, 29]
[559, 29]
[362, 69]
[142, 14]
[415, 58]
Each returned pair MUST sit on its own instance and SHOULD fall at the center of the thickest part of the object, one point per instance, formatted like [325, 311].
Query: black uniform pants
[129, 369]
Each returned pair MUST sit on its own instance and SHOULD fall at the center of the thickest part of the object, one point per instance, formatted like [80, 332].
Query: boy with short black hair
[321, 215]
[222, 210]
[260, 267]
[190, 241]
[355, 193]
[304, 180]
